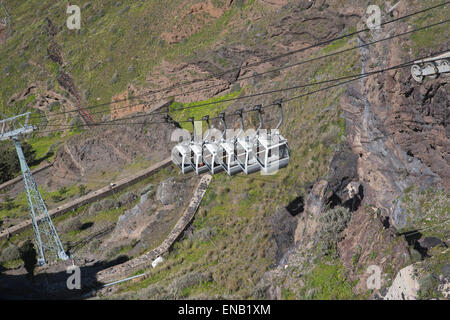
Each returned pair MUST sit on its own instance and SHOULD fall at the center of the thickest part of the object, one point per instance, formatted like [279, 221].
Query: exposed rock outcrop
[110, 148]
[166, 191]
[397, 127]
[283, 226]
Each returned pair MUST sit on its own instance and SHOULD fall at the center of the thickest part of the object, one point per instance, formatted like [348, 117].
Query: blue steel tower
[47, 239]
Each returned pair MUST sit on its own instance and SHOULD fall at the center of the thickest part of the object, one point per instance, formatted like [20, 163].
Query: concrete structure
[146, 260]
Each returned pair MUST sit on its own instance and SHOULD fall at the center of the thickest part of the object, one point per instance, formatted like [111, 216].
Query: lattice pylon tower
[46, 236]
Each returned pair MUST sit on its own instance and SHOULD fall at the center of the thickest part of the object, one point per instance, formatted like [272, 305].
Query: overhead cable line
[271, 91]
[290, 52]
[347, 79]
[258, 74]
[176, 86]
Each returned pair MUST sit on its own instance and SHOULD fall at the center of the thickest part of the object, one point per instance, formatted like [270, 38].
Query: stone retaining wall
[119, 271]
[89, 198]
[19, 178]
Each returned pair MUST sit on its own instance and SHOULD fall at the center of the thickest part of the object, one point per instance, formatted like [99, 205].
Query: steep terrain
[368, 180]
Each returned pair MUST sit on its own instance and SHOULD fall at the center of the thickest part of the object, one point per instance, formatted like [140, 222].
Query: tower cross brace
[46, 236]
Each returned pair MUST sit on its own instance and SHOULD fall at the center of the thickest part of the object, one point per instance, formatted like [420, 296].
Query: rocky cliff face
[398, 128]
[388, 175]
[110, 149]
[396, 161]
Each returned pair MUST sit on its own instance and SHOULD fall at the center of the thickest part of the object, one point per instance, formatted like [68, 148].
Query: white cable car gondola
[227, 149]
[211, 151]
[196, 150]
[244, 152]
[181, 153]
[431, 67]
[272, 148]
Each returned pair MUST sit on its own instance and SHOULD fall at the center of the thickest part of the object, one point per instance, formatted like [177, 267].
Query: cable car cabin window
[275, 154]
[251, 157]
[241, 155]
[208, 159]
[177, 157]
[283, 151]
[260, 152]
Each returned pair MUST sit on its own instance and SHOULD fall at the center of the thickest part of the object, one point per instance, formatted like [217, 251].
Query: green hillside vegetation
[232, 245]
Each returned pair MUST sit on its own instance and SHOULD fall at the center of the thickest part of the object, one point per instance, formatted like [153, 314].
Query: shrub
[107, 204]
[9, 203]
[150, 187]
[70, 225]
[95, 244]
[57, 198]
[62, 191]
[155, 291]
[95, 207]
[9, 254]
[127, 197]
[81, 190]
[188, 280]
[204, 234]
[333, 223]
[54, 106]
[428, 287]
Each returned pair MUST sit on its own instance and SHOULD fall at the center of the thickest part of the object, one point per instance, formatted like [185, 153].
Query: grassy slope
[238, 208]
[239, 253]
[114, 36]
[100, 219]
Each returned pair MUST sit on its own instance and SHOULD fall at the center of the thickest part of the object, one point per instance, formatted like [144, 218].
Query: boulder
[166, 191]
[127, 198]
[316, 198]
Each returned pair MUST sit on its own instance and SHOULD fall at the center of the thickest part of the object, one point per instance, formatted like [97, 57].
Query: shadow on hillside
[37, 162]
[51, 286]
[296, 206]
